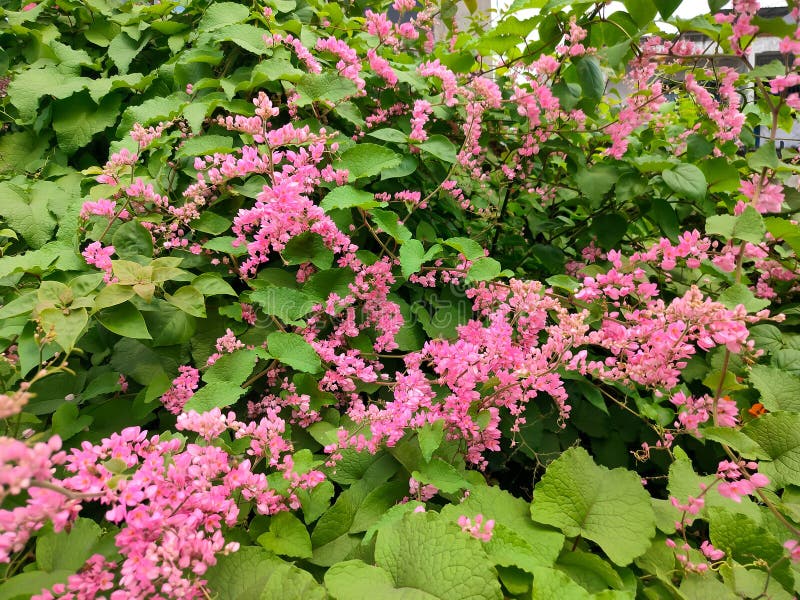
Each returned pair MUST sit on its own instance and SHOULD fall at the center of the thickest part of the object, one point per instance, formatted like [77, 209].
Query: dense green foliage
[538, 162]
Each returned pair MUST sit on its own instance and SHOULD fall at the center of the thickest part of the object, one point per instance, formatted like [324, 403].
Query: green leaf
[347, 196]
[232, 368]
[328, 87]
[124, 319]
[471, 249]
[721, 225]
[189, 299]
[609, 229]
[389, 222]
[67, 422]
[687, 181]
[590, 571]
[684, 482]
[212, 284]
[440, 147]
[30, 85]
[667, 7]
[736, 440]
[412, 255]
[430, 438]
[287, 304]
[778, 433]
[122, 50]
[642, 11]
[27, 585]
[597, 182]
[210, 222]
[356, 580]
[68, 327]
[750, 226]
[376, 503]
[308, 247]
[609, 507]
[291, 349]
[779, 390]
[131, 240]
[783, 229]
[764, 158]
[565, 282]
[245, 36]
[367, 160]
[214, 395]
[68, 550]
[220, 14]
[27, 215]
[425, 552]
[387, 134]
[767, 337]
[77, 119]
[443, 475]
[590, 76]
[251, 573]
[203, 145]
[22, 150]
[540, 544]
[739, 293]
[484, 269]
[745, 541]
[19, 306]
[315, 501]
[225, 244]
[287, 536]
[551, 584]
[113, 294]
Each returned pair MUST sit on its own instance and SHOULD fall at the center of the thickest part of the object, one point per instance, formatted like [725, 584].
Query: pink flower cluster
[481, 529]
[728, 119]
[11, 404]
[739, 479]
[697, 411]
[29, 469]
[182, 388]
[99, 256]
[171, 499]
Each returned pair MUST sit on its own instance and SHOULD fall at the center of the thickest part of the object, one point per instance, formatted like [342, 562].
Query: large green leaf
[538, 545]
[687, 181]
[252, 573]
[232, 368]
[124, 319]
[356, 580]
[77, 119]
[26, 214]
[214, 395]
[67, 327]
[426, 552]
[366, 160]
[778, 433]
[287, 304]
[779, 390]
[287, 536]
[293, 350]
[68, 550]
[328, 86]
[220, 14]
[609, 507]
[745, 541]
[347, 196]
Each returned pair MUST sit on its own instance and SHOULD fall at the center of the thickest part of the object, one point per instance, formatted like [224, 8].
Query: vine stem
[46, 485]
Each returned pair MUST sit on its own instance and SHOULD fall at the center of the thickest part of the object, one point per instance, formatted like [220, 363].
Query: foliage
[321, 306]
